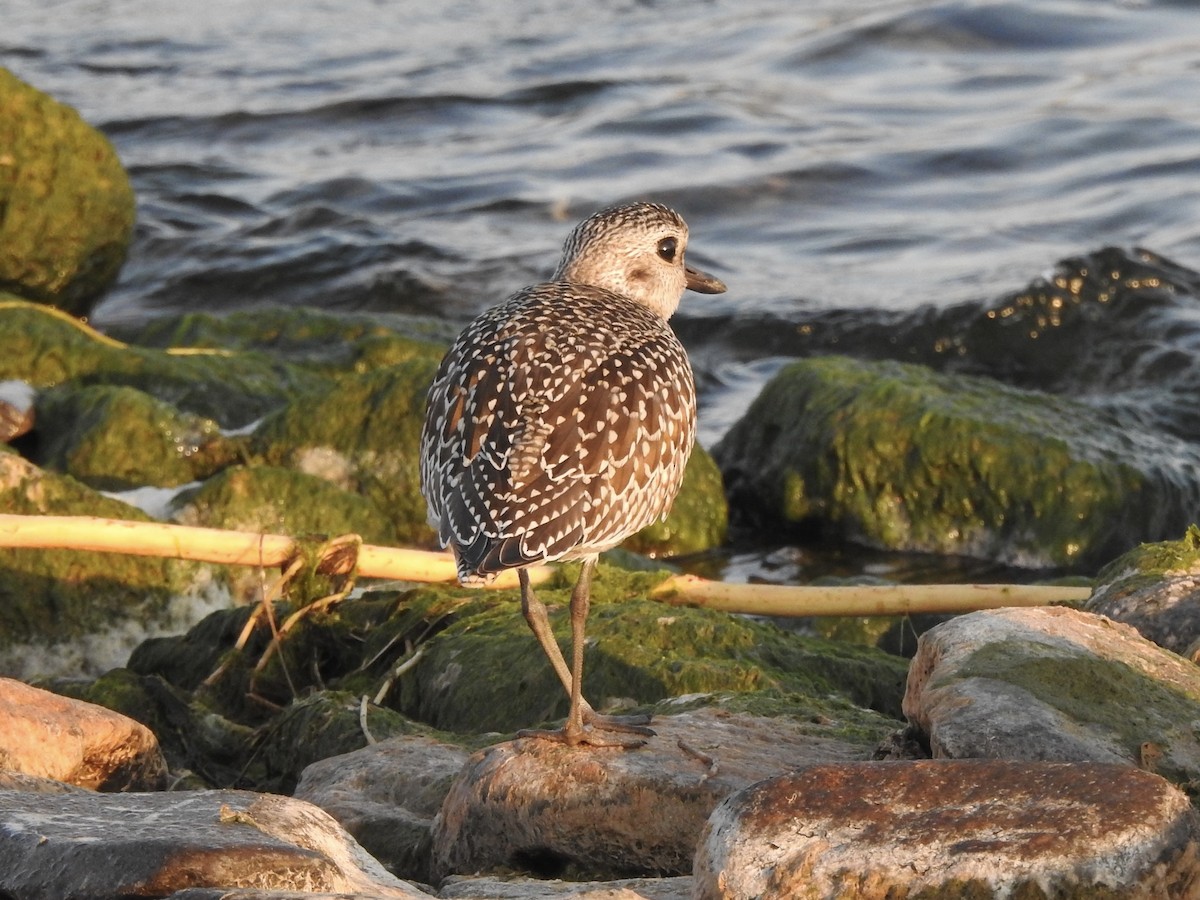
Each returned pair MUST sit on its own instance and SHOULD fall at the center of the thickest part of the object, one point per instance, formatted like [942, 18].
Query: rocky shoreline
[1043, 752]
[169, 732]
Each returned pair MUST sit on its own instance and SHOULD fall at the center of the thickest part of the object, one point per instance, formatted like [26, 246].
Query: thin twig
[362, 721]
[710, 761]
[396, 673]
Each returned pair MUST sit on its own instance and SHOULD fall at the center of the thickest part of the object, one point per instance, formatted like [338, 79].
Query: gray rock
[386, 795]
[1056, 684]
[537, 806]
[269, 894]
[1156, 589]
[124, 845]
[32, 784]
[965, 828]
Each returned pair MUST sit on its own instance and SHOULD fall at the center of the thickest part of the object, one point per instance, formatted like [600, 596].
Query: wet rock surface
[539, 806]
[387, 795]
[121, 845]
[963, 829]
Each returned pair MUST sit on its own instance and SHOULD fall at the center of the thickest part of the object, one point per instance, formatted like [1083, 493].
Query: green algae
[115, 438]
[66, 205]
[281, 501]
[356, 427]
[316, 727]
[45, 348]
[474, 670]
[336, 345]
[1147, 564]
[48, 596]
[901, 457]
[367, 428]
[484, 671]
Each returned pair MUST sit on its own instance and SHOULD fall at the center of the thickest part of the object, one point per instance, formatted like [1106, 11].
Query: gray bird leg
[581, 713]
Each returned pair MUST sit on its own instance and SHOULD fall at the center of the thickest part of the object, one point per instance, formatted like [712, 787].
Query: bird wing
[548, 431]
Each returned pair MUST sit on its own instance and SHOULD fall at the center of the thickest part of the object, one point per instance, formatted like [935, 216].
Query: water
[875, 164]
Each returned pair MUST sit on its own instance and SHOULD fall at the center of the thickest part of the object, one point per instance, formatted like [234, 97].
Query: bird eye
[666, 249]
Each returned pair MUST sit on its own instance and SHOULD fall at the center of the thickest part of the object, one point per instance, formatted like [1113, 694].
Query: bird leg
[581, 713]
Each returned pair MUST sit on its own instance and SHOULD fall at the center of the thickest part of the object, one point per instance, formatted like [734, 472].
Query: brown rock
[386, 796]
[537, 806]
[482, 888]
[51, 736]
[965, 828]
[149, 845]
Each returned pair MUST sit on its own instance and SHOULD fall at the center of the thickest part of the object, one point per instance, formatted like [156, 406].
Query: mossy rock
[66, 206]
[484, 671]
[350, 646]
[364, 434]
[49, 597]
[1058, 684]
[44, 347]
[275, 500]
[473, 669]
[318, 726]
[336, 344]
[1154, 588]
[115, 438]
[900, 457]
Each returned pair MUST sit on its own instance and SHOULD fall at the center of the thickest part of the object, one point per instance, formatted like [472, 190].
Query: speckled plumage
[560, 422]
[564, 419]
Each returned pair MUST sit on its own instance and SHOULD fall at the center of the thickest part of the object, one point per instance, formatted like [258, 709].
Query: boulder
[1055, 684]
[483, 670]
[126, 845]
[48, 736]
[538, 806]
[937, 828]
[115, 437]
[66, 205]
[1156, 589]
[900, 457]
[386, 795]
[484, 888]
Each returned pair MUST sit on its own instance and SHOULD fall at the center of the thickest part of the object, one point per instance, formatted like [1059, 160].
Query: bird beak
[702, 282]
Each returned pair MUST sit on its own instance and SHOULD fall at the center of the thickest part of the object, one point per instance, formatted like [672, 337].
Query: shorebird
[560, 422]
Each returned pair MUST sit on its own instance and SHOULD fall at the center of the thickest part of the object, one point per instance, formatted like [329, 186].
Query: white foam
[95, 654]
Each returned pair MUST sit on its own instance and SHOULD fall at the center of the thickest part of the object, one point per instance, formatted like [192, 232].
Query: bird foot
[592, 732]
[625, 724]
